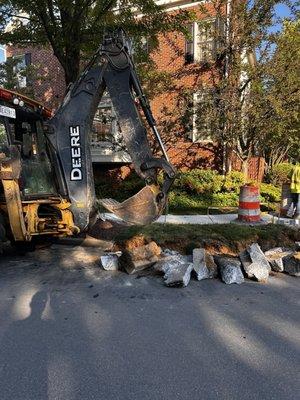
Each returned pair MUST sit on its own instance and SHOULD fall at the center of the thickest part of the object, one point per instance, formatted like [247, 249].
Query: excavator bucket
[141, 209]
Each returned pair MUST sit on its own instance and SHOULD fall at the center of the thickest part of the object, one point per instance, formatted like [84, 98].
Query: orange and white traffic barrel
[286, 199]
[249, 204]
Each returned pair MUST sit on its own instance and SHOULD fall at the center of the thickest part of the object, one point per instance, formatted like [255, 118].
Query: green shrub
[279, 174]
[233, 181]
[184, 201]
[192, 192]
[225, 200]
[199, 181]
[270, 193]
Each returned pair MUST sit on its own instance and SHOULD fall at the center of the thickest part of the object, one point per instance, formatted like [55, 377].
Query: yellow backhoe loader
[46, 176]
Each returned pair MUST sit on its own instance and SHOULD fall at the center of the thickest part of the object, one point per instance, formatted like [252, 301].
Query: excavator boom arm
[111, 69]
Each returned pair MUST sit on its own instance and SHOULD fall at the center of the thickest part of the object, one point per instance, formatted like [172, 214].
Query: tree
[283, 97]
[237, 107]
[74, 28]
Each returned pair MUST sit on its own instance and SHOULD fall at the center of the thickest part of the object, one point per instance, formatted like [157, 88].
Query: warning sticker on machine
[7, 112]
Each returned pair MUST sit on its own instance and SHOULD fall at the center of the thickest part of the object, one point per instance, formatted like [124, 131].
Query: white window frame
[212, 43]
[199, 57]
[195, 135]
[21, 65]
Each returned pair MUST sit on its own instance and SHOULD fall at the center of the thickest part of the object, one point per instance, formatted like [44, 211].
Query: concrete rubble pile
[178, 270]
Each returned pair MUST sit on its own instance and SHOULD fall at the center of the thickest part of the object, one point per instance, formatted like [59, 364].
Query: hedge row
[193, 190]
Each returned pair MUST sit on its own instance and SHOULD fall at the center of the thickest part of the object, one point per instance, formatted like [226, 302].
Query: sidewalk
[210, 219]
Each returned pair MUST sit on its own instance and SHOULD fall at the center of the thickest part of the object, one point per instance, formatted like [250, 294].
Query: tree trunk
[72, 69]
[245, 166]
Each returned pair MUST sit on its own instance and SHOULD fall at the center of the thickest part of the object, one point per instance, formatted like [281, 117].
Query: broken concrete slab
[257, 256]
[170, 253]
[275, 258]
[178, 275]
[230, 270]
[204, 265]
[140, 258]
[200, 266]
[110, 261]
[256, 267]
[292, 264]
[168, 262]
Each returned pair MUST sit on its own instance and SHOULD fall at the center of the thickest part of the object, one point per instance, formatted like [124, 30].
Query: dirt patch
[216, 239]
[107, 230]
[135, 242]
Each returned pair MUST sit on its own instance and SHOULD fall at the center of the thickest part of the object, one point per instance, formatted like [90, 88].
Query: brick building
[184, 61]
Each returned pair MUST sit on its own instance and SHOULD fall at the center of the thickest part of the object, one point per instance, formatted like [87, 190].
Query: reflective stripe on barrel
[249, 205]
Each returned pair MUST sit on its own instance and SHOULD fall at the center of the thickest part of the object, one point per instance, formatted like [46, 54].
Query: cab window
[3, 134]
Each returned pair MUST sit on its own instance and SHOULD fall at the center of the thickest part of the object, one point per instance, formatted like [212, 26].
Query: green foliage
[199, 181]
[74, 29]
[118, 189]
[283, 96]
[280, 173]
[233, 181]
[259, 114]
[182, 201]
[193, 191]
[270, 193]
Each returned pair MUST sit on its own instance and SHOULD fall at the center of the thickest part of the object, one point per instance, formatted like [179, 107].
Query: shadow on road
[88, 334]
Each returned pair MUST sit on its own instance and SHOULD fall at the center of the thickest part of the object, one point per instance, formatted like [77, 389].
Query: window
[21, 63]
[3, 135]
[145, 45]
[203, 41]
[105, 124]
[189, 45]
[201, 126]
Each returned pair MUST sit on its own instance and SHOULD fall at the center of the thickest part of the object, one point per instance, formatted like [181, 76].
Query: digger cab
[29, 200]
[22, 139]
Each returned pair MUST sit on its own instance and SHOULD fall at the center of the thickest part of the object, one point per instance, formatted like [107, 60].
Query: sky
[281, 11]
[1, 54]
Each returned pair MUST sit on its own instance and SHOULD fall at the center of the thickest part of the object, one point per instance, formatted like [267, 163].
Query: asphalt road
[71, 331]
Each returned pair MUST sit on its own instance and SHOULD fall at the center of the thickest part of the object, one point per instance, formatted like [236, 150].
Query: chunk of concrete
[170, 253]
[110, 261]
[178, 274]
[204, 265]
[292, 264]
[255, 267]
[140, 258]
[230, 270]
[275, 258]
[257, 256]
[168, 262]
